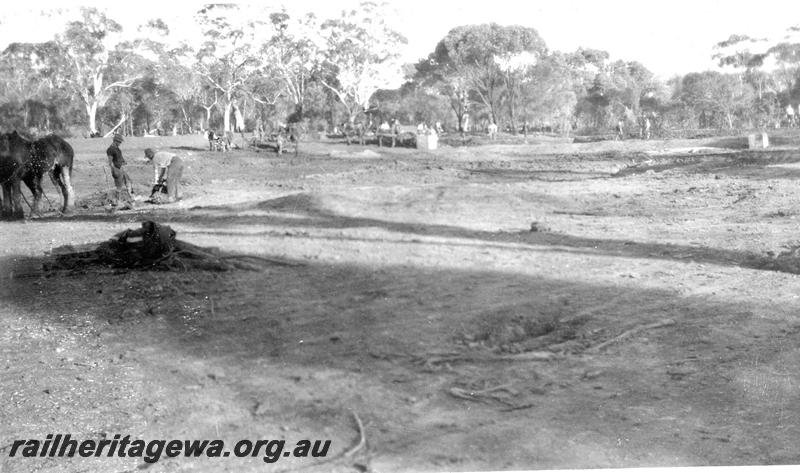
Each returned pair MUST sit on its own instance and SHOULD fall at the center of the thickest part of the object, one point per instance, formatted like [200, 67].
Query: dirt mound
[294, 203]
[786, 261]
[526, 327]
[633, 157]
[456, 140]
[107, 198]
[97, 200]
[593, 138]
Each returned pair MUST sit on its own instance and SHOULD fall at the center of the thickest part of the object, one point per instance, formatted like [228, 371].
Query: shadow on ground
[371, 334]
[305, 210]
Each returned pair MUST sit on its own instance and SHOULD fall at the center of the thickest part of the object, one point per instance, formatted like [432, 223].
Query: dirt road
[549, 305]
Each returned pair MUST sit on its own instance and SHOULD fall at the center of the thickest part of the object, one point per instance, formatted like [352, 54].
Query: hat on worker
[149, 153]
[118, 139]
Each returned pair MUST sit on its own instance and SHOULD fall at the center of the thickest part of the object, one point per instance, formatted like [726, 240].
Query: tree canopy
[262, 66]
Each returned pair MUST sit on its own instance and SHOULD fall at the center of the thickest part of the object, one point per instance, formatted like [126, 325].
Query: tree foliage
[94, 61]
[485, 61]
[361, 56]
[266, 66]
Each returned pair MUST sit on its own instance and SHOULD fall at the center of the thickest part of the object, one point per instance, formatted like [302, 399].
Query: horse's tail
[65, 157]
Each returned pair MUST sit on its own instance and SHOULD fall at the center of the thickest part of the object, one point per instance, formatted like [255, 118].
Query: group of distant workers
[644, 129]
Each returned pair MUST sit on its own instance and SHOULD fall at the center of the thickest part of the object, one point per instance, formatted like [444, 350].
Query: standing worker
[790, 117]
[492, 131]
[122, 183]
[167, 168]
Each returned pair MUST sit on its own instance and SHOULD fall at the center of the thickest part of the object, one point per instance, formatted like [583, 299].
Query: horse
[357, 130]
[28, 161]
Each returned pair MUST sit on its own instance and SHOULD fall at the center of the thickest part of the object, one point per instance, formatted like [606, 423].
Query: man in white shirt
[492, 128]
[167, 168]
[790, 116]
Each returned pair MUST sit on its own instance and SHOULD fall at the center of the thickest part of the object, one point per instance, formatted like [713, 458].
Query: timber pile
[155, 246]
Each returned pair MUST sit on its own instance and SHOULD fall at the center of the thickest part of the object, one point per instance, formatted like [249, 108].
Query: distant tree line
[254, 67]
[258, 67]
[488, 73]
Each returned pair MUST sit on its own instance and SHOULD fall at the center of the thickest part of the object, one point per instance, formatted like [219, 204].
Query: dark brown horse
[28, 161]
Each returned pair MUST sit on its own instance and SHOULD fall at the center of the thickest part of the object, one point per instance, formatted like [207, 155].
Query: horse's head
[13, 144]
[5, 144]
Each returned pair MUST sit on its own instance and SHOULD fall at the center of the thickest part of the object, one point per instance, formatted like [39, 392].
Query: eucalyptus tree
[712, 94]
[27, 82]
[549, 95]
[94, 60]
[170, 66]
[361, 56]
[293, 54]
[487, 60]
[229, 56]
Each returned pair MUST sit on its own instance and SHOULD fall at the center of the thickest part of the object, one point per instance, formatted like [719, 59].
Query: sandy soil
[470, 306]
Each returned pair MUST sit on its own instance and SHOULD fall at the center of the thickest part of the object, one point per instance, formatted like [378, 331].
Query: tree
[361, 57]
[523, 49]
[736, 51]
[771, 70]
[293, 54]
[549, 96]
[713, 93]
[186, 86]
[26, 80]
[634, 81]
[412, 103]
[94, 61]
[786, 57]
[443, 77]
[208, 98]
[170, 66]
[488, 59]
[229, 56]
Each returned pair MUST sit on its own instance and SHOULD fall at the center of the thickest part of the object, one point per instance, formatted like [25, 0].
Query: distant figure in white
[492, 128]
[646, 128]
[259, 131]
[790, 116]
[620, 130]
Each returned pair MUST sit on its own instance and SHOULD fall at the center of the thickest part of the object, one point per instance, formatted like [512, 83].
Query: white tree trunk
[91, 110]
[226, 119]
[238, 119]
[208, 119]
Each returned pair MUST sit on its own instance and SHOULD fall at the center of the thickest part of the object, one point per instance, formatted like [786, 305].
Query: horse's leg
[34, 183]
[61, 179]
[16, 200]
[39, 192]
[6, 203]
[65, 173]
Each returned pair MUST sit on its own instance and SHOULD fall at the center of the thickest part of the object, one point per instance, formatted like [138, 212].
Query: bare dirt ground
[471, 306]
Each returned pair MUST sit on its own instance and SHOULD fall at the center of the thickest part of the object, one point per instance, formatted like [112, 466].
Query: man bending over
[167, 169]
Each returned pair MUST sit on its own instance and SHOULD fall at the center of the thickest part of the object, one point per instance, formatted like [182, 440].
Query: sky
[668, 37]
